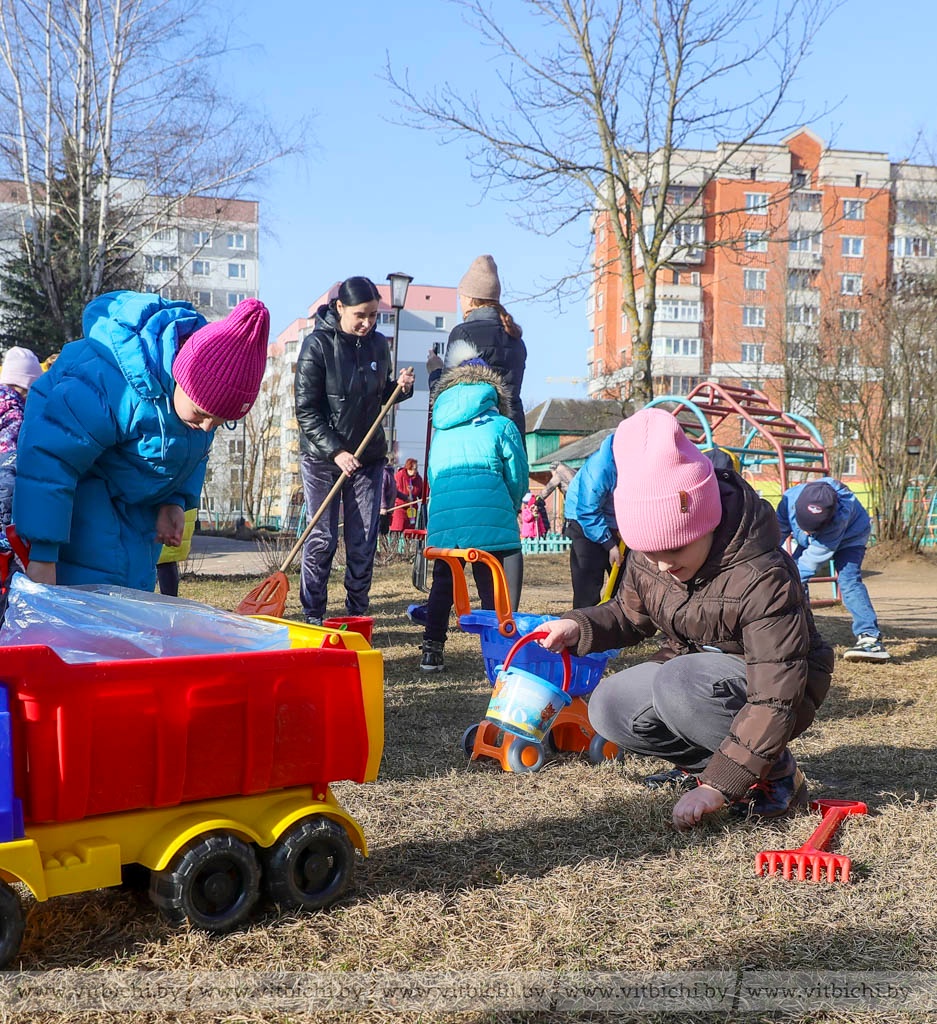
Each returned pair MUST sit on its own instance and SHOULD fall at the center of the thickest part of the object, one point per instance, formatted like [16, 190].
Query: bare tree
[615, 108]
[118, 99]
[263, 443]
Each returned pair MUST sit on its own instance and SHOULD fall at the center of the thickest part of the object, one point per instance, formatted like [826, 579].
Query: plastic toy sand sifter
[526, 704]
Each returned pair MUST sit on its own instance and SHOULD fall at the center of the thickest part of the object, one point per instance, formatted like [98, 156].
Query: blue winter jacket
[101, 447]
[849, 528]
[477, 468]
[590, 497]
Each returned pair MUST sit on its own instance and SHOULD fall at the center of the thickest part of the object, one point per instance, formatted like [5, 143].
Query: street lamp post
[399, 283]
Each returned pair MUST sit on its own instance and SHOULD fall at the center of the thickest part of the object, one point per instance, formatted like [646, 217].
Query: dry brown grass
[575, 868]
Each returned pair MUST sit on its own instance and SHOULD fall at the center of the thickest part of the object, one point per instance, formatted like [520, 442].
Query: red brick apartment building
[795, 234]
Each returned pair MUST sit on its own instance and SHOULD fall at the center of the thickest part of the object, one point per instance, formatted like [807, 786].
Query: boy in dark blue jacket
[828, 523]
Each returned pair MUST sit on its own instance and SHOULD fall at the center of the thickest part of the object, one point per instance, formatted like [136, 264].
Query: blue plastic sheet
[107, 623]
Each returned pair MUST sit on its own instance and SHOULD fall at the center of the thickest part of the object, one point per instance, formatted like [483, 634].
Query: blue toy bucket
[524, 704]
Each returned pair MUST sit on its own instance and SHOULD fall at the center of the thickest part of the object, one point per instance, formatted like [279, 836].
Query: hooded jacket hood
[467, 391]
[142, 332]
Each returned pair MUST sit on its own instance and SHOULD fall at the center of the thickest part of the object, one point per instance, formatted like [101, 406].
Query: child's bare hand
[170, 522]
[561, 633]
[691, 807]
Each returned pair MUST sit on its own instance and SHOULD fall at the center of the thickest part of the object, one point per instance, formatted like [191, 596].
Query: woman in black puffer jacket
[343, 377]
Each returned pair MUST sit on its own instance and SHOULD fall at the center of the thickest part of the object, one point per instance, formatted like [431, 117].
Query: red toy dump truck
[211, 772]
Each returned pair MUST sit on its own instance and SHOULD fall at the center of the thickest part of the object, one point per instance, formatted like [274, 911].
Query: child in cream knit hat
[744, 668]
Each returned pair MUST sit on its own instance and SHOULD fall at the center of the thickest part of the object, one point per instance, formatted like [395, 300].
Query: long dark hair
[511, 326]
[355, 291]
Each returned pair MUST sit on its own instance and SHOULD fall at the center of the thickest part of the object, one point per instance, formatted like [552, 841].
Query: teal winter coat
[477, 468]
[101, 447]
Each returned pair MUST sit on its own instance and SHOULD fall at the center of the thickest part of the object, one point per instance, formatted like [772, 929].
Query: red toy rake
[813, 856]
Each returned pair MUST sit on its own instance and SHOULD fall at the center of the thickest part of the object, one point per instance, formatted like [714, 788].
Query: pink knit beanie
[481, 281]
[20, 367]
[221, 365]
[667, 494]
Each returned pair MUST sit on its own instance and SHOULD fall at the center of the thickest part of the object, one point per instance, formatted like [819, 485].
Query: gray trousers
[680, 711]
[360, 500]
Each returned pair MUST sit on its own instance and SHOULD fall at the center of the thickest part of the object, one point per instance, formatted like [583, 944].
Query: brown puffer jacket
[747, 599]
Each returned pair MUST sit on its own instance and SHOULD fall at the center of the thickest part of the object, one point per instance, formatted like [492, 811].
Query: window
[200, 238]
[201, 268]
[850, 319]
[850, 284]
[676, 277]
[160, 264]
[853, 209]
[386, 319]
[234, 298]
[203, 299]
[753, 316]
[676, 385]
[853, 245]
[847, 357]
[688, 233]
[754, 280]
[850, 466]
[756, 203]
[804, 241]
[164, 235]
[801, 279]
[237, 240]
[801, 352]
[235, 476]
[802, 314]
[907, 246]
[681, 310]
[678, 347]
[753, 353]
[235, 447]
[799, 179]
[805, 202]
[756, 241]
[600, 300]
[440, 323]
[237, 270]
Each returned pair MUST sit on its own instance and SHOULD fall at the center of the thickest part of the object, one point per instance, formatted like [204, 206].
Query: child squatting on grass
[743, 670]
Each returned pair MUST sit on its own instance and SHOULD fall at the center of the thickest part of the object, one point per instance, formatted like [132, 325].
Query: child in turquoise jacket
[477, 477]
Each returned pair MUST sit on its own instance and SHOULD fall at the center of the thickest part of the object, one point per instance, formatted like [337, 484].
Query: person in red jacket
[409, 492]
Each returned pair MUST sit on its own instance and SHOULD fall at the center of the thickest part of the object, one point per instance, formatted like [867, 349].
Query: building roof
[574, 415]
[576, 452]
[432, 298]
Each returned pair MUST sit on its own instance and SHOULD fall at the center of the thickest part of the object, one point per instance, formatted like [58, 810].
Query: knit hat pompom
[463, 353]
[20, 367]
[481, 281]
[667, 494]
[221, 365]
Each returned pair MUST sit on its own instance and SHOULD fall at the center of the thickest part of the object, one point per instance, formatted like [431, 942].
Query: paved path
[222, 556]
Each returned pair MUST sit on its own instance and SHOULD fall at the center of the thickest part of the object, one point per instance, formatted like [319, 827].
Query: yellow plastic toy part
[454, 557]
[78, 856]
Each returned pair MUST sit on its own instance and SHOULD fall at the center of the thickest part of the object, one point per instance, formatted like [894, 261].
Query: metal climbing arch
[774, 437]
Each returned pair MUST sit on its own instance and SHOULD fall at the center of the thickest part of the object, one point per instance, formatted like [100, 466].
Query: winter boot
[432, 660]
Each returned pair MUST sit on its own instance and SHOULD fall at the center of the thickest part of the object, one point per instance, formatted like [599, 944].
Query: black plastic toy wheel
[549, 744]
[12, 924]
[602, 750]
[310, 865]
[524, 756]
[468, 740]
[213, 883]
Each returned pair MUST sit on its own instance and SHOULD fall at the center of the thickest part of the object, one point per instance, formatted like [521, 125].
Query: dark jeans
[680, 711]
[167, 577]
[360, 498]
[439, 603]
[588, 564]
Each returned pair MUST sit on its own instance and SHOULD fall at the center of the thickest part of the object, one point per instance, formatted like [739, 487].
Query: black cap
[815, 506]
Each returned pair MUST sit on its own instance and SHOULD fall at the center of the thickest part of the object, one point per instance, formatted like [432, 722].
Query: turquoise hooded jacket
[477, 465]
[101, 447]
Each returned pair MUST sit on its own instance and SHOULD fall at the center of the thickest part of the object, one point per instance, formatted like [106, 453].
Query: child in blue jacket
[828, 523]
[116, 434]
[477, 476]
[590, 525]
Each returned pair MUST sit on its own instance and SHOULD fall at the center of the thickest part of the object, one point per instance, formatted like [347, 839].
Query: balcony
[805, 260]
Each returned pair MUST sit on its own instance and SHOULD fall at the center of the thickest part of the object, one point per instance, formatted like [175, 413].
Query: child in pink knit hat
[743, 669]
[116, 434]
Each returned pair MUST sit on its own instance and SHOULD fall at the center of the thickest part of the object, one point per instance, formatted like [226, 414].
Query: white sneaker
[867, 648]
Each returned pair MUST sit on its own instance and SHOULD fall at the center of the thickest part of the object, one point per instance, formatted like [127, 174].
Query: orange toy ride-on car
[209, 775]
[498, 630]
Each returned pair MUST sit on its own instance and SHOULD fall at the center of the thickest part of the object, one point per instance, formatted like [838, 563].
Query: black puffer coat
[482, 329]
[341, 383]
[747, 599]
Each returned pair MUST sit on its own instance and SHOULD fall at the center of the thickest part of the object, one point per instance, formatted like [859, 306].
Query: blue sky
[371, 197]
